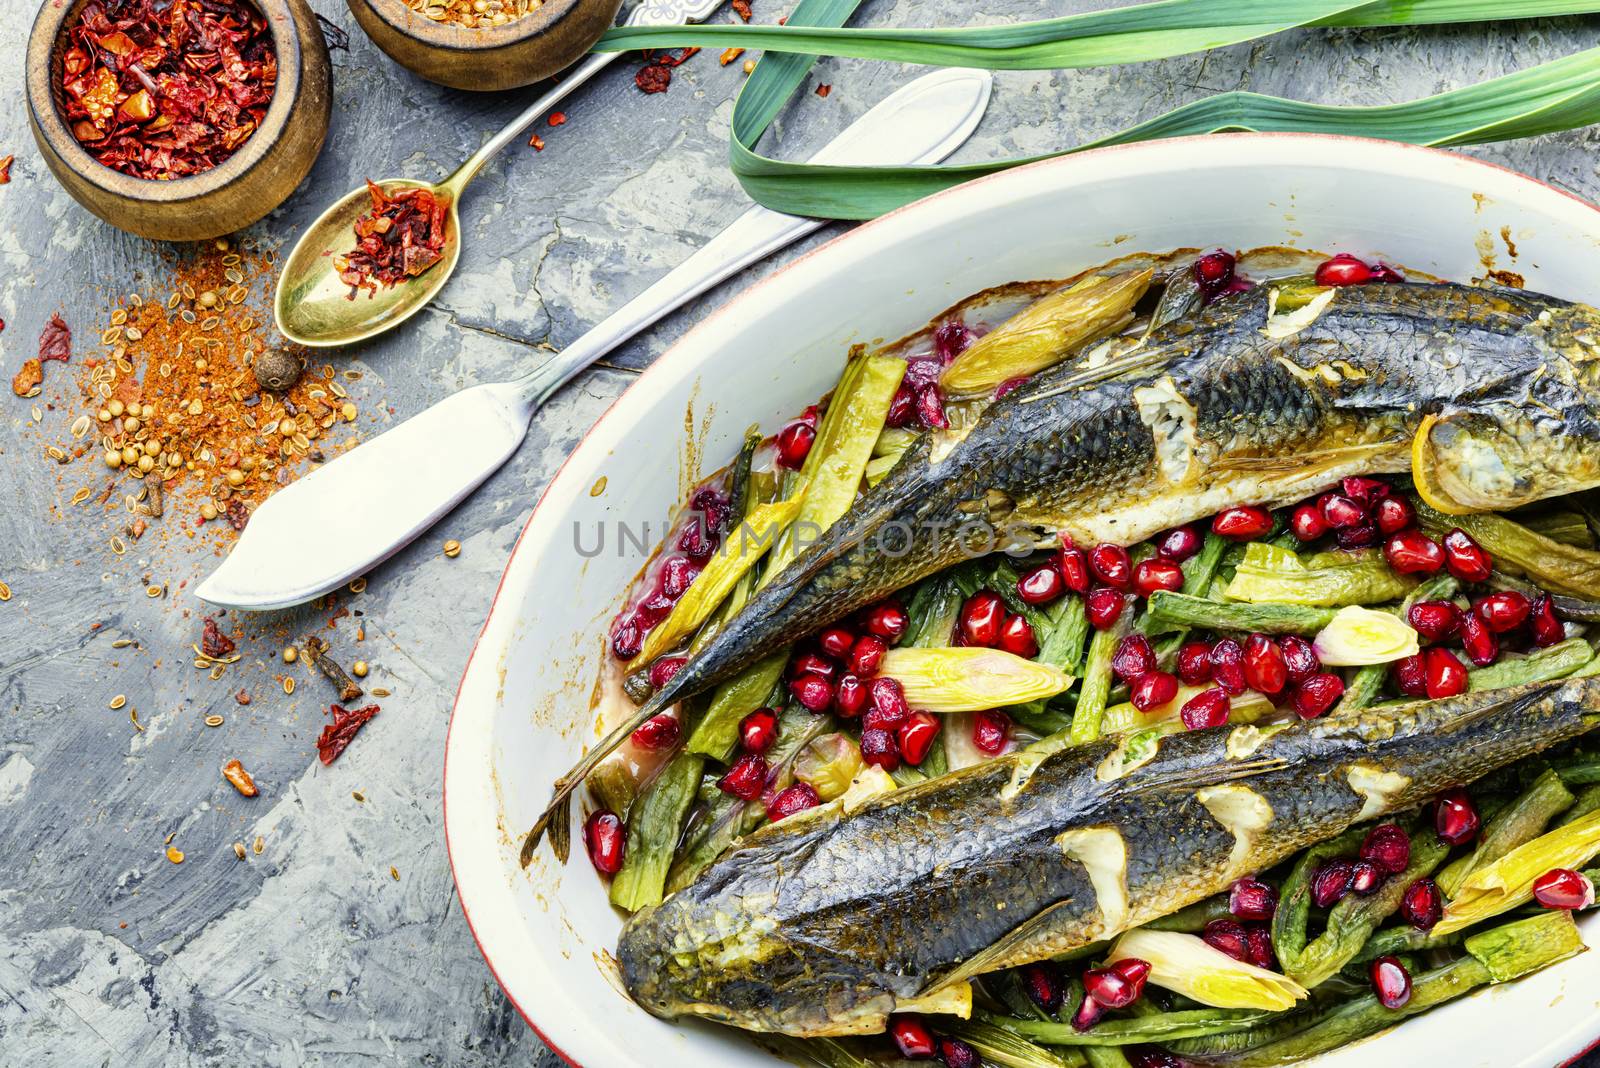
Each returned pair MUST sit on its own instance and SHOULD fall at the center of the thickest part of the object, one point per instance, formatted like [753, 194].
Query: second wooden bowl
[529, 48]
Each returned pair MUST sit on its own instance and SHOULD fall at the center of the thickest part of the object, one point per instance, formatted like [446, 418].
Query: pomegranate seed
[1422, 905]
[662, 670]
[1088, 1014]
[1074, 568]
[879, 748]
[1563, 888]
[1388, 846]
[1434, 620]
[957, 1054]
[1343, 270]
[1364, 491]
[1041, 585]
[951, 340]
[1331, 883]
[1252, 899]
[1316, 695]
[813, 692]
[930, 407]
[876, 719]
[1503, 611]
[1357, 537]
[1134, 970]
[1178, 544]
[850, 696]
[746, 778]
[1152, 1057]
[1010, 384]
[1307, 523]
[1382, 272]
[1214, 270]
[837, 642]
[990, 730]
[1264, 669]
[1391, 982]
[1017, 638]
[1109, 988]
[1443, 674]
[792, 799]
[696, 540]
[758, 731]
[982, 617]
[1366, 877]
[1411, 552]
[903, 409]
[1455, 817]
[1411, 676]
[1391, 515]
[1227, 936]
[1156, 574]
[888, 621]
[657, 732]
[1340, 512]
[1133, 657]
[1227, 666]
[604, 837]
[1465, 558]
[1194, 662]
[1259, 941]
[888, 698]
[1208, 708]
[1043, 984]
[1299, 657]
[794, 444]
[627, 638]
[811, 664]
[1244, 522]
[915, 736]
[677, 574]
[1547, 629]
[866, 655]
[912, 1037]
[1477, 641]
[1111, 565]
[1152, 690]
[652, 610]
[1103, 605]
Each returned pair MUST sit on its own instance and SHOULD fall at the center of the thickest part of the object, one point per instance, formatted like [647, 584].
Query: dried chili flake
[5, 169]
[653, 79]
[234, 772]
[237, 513]
[243, 697]
[26, 380]
[536, 142]
[55, 341]
[670, 60]
[741, 8]
[161, 90]
[729, 55]
[824, 90]
[399, 238]
[213, 642]
[336, 736]
[558, 118]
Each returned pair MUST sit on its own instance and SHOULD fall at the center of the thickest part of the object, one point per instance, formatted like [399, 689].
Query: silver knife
[352, 513]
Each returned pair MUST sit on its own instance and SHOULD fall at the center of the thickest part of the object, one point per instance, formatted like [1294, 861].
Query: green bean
[1394, 940]
[1069, 626]
[1294, 898]
[1190, 611]
[754, 687]
[999, 1046]
[653, 827]
[1591, 668]
[1555, 662]
[1199, 574]
[1438, 588]
[1517, 824]
[1586, 801]
[1365, 684]
[1576, 609]
[1567, 527]
[1096, 684]
[1159, 1027]
[1273, 575]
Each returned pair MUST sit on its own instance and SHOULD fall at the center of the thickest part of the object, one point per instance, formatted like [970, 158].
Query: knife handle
[922, 122]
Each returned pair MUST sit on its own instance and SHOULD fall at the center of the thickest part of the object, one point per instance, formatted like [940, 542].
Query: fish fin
[1215, 775]
[1138, 359]
[1307, 463]
[1002, 953]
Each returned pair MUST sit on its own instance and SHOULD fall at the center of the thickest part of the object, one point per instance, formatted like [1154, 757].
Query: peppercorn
[276, 369]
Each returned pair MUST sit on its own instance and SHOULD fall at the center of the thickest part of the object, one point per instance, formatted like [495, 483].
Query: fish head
[1525, 437]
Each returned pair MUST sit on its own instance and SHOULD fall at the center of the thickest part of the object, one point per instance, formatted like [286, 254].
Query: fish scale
[824, 923]
[1274, 418]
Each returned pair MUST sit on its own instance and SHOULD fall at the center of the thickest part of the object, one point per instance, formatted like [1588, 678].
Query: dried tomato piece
[25, 381]
[213, 642]
[653, 79]
[336, 736]
[55, 341]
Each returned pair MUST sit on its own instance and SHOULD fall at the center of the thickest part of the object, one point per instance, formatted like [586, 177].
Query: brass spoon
[313, 307]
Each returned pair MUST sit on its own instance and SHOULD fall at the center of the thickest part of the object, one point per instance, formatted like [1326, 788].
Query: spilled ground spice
[172, 402]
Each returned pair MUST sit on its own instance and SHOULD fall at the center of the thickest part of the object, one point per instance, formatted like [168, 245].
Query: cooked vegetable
[1097, 680]
[966, 679]
[1517, 824]
[1160, 1027]
[1358, 636]
[1507, 882]
[829, 764]
[1187, 965]
[1188, 611]
[1269, 573]
[653, 826]
[1557, 567]
[1558, 661]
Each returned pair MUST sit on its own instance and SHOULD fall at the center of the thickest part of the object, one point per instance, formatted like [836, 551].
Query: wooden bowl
[543, 42]
[233, 194]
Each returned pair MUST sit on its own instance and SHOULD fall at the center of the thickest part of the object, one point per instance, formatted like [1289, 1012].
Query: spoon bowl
[313, 307]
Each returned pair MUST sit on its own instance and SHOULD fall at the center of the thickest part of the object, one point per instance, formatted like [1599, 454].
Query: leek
[970, 679]
[1268, 573]
[1508, 882]
[1187, 965]
[1357, 637]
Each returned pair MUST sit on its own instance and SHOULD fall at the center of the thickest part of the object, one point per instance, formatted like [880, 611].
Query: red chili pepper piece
[337, 736]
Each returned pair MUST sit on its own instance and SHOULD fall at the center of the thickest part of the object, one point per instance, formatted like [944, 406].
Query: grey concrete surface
[312, 952]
